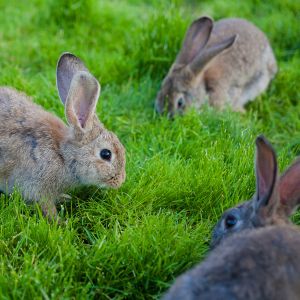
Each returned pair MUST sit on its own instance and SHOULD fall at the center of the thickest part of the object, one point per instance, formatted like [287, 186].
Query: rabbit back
[29, 140]
[247, 68]
[262, 264]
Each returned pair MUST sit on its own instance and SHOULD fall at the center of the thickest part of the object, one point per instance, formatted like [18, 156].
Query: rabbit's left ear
[266, 199]
[67, 66]
[195, 40]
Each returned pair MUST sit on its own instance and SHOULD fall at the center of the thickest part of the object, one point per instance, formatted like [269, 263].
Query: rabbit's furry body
[261, 264]
[225, 62]
[245, 70]
[42, 156]
[29, 146]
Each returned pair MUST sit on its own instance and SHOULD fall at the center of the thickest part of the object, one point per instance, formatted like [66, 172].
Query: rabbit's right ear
[205, 56]
[266, 199]
[67, 65]
[82, 100]
[289, 188]
[195, 40]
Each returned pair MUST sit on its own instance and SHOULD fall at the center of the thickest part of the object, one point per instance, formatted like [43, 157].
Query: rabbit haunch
[260, 259]
[225, 62]
[42, 156]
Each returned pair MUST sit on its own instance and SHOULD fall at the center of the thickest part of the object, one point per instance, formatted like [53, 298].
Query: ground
[131, 243]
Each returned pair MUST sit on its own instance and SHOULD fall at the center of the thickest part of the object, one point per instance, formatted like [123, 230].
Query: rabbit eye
[180, 102]
[230, 221]
[105, 154]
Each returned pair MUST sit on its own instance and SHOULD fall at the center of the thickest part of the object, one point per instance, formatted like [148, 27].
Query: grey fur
[32, 143]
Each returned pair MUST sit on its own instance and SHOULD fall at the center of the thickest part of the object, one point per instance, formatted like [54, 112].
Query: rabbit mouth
[115, 181]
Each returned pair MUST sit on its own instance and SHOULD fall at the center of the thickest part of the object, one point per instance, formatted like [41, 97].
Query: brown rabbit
[205, 71]
[260, 260]
[42, 156]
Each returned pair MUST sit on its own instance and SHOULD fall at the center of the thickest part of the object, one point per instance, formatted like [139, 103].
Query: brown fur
[204, 71]
[260, 260]
[43, 157]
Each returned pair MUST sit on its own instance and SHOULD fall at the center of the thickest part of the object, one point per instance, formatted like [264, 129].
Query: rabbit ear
[67, 65]
[195, 40]
[82, 100]
[289, 188]
[208, 54]
[266, 177]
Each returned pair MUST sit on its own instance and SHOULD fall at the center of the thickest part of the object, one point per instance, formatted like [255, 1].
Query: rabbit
[43, 157]
[243, 217]
[261, 259]
[225, 62]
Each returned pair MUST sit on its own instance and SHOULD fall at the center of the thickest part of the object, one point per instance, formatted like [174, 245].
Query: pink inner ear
[81, 121]
[265, 175]
[82, 112]
[266, 169]
[84, 92]
[290, 186]
[262, 186]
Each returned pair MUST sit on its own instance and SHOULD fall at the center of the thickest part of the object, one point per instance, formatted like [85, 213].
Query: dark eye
[230, 221]
[180, 102]
[105, 154]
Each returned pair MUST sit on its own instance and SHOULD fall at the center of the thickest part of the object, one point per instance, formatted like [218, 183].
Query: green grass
[132, 242]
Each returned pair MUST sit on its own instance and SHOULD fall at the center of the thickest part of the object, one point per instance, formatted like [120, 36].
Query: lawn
[181, 174]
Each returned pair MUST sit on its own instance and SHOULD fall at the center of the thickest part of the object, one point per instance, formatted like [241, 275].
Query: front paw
[65, 198]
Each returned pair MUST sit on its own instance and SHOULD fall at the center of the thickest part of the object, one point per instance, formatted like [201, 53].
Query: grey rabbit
[228, 61]
[256, 249]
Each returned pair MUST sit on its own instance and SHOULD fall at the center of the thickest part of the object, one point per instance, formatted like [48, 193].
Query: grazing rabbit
[229, 61]
[261, 259]
[42, 156]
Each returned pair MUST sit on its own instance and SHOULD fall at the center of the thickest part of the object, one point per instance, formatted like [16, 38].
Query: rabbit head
[183, 83]
[93, 155]
[274, 200]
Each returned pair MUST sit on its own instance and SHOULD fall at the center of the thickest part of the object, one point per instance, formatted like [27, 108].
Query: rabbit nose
[159, 107]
